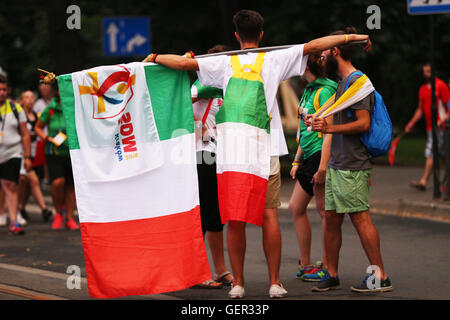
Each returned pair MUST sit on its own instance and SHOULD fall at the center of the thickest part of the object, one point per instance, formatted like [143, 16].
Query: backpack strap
[317, 105]
[15, 112]
[254, 73]
[351, 113]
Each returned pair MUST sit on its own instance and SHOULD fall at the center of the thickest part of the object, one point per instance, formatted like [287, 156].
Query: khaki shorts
[273, 187]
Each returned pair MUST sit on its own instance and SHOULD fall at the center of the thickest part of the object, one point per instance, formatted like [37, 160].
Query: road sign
[428, 6]
[125, 37]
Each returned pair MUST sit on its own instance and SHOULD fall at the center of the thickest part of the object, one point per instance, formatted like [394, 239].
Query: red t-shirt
[442, 98]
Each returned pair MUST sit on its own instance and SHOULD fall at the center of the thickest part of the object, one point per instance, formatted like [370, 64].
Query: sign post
[430, 7]
[126, 37]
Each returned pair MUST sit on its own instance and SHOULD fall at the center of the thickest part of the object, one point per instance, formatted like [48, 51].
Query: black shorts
[10, 170]
[209, 200]
[307, 170]
[59, 167]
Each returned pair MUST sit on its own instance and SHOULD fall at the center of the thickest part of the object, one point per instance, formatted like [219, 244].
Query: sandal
[222, 278]
[418, 185]
[208, 284]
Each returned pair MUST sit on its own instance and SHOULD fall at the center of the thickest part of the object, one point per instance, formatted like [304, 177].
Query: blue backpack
[379, 138]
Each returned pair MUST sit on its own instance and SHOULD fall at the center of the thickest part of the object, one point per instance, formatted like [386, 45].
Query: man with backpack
[348, 176]
[15, 143]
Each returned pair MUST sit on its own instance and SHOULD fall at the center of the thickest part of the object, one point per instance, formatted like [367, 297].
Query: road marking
[26, 293]
[64, 276]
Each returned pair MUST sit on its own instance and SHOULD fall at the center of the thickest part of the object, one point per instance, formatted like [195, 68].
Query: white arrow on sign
[137, 40]
[112, 31]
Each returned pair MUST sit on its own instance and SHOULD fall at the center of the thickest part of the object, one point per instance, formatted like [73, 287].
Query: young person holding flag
[250, 135]
[348, 173]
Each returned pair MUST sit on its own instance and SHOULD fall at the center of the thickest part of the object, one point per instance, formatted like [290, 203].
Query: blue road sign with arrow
[126, 37]
[428, 6]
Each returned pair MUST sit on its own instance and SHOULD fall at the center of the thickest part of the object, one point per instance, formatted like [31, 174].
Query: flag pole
[264, 49]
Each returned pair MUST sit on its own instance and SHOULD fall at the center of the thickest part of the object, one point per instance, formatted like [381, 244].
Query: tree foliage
[34, 34]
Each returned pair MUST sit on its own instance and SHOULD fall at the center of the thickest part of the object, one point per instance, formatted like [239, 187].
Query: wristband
[294, 164]
[190, 54]
[346, 38]
[154, 58]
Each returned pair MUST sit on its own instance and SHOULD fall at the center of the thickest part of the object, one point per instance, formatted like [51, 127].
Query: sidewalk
[392, 194]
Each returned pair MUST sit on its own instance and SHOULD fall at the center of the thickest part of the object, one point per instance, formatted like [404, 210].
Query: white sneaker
[277, 291]
[21, 220]
[3, 220]
[236, 292]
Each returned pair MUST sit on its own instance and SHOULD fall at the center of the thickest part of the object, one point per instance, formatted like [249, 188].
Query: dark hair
[3, 79]
[249, 25]
[315, 65]
[219, 48]
[346, 49]
[427, 63]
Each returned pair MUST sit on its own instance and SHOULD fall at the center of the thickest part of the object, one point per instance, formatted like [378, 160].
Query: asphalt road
[415, 253]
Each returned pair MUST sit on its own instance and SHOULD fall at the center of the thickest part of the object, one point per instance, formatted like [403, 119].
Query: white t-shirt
[208, 141]
[279, 65]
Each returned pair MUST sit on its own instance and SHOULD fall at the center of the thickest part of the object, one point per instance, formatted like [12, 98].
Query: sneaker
[368, 285]
[57, 221]
[316, 276]
[3, 220]
[46, 215]
[25, 215]
[16, 229]
[303, 269]
[327, 283]
[21, 220]
[277, 291]
[72, 225]
[237, 292]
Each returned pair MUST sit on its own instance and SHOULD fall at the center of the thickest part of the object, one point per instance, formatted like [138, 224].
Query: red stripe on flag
[242, 197]
[143, 257]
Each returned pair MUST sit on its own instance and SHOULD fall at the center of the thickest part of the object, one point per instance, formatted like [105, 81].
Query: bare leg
[297, 207]
[333, 240]
[57, 191]
[35, 187]
[12, 199]
[319, 195]
[370, 239]
[237, 245]
[24, 191]
[215, 241]
[272, 244]
[69, 194]
[427, 172]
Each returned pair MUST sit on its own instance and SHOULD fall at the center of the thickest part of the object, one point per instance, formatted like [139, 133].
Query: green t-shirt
[311, 142]
[53, 116]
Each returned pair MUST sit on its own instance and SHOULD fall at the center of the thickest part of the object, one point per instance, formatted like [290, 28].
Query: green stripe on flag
[68, 103]
[170, 94]
[244, 102]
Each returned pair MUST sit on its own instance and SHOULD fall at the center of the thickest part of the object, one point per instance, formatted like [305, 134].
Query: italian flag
[243, 158]
[131, 135]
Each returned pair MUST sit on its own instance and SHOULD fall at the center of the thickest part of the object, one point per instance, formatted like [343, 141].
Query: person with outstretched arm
[270, 68]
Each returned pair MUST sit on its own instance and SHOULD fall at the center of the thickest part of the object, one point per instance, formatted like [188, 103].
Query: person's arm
[174, 61]
[321, 173]
[360, 125]
[416, 117]
[297, 162]
[324, 43]
[39, 129]
[26, 142]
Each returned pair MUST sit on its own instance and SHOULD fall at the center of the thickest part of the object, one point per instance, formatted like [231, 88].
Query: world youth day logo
[113, 95]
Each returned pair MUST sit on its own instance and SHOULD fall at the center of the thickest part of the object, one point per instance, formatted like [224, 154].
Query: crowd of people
[331, 162]
[30, 158]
